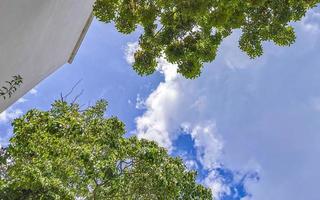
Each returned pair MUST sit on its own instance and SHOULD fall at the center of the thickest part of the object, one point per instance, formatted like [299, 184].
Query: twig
[71, 91]
[76, 97]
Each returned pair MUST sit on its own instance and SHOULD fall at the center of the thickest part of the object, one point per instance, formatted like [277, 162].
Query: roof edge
[81, 38]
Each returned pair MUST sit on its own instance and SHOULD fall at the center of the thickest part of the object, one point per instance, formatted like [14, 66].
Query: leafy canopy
[189, 32]
[65, 153]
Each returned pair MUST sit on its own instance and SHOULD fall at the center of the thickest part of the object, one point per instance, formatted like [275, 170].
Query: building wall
[36, 38]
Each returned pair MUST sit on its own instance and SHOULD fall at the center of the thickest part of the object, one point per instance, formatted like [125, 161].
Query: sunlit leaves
[66, 153]
[182, 30]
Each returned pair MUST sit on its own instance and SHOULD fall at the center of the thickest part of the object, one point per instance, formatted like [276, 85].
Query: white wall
[36, 38]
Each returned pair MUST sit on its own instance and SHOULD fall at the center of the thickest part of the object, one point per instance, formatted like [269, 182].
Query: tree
[65, 153]
[189, 32]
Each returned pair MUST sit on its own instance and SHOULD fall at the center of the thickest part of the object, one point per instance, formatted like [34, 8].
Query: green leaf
[66, 153]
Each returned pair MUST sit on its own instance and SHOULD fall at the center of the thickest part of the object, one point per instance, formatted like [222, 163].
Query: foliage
[12, 87]
[65, 153]
[189, 32]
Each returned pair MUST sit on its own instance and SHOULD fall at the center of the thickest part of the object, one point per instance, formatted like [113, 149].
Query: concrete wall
[36, 38]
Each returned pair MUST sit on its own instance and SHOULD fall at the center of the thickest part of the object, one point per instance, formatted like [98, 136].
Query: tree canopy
[66, 153]
[189, 32]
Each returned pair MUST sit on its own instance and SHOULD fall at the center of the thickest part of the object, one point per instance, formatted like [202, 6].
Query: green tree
[189, 32]
[65, 153]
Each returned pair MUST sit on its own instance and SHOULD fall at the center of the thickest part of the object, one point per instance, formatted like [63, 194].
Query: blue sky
[250, 127]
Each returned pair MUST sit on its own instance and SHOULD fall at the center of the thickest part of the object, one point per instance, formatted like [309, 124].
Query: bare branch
[71, 91]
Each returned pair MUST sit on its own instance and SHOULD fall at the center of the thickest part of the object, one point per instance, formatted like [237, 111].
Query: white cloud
[9, 115]
[22, 100]
[191, 164]
[33, 91]
[140, 103]
[310, 23]
[208, 146]
[132, 47]
[206, 142]
[155, 123]
[214, 181]
[172, 107]
[250, 115]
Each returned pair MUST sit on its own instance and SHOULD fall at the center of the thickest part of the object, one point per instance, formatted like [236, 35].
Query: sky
[251, 128]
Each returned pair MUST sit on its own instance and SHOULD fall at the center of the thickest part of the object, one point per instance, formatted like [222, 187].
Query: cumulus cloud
[163, 121]
[247, 115]
[206, 142]
[155, 123]
[214, 181]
